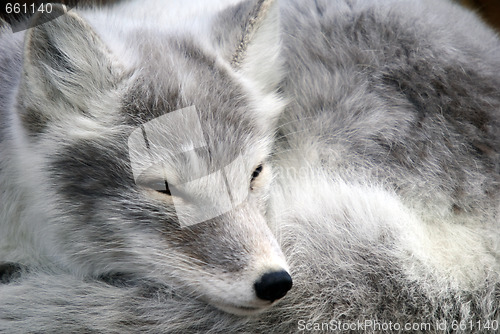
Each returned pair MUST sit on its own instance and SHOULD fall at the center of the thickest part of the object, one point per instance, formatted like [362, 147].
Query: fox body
[376, 187]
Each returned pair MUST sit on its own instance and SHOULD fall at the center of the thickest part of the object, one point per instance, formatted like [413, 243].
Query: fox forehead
[178, 72]
[185, 76]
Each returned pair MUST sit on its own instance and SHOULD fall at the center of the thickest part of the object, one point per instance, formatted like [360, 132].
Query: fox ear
[66, 67]
[248, 35]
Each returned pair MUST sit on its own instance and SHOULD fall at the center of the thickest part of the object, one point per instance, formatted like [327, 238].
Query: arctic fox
[69, 200]
[375, 189]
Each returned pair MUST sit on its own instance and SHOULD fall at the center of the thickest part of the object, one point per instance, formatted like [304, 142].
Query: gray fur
[386, 173]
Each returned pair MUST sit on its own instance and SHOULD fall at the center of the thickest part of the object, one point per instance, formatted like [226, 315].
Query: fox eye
[164, 189]
[256, 172]
[159, 186]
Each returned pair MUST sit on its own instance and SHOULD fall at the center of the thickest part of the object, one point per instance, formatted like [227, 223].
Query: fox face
[151, 161]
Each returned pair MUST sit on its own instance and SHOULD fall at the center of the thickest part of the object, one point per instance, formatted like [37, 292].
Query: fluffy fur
[385, 167]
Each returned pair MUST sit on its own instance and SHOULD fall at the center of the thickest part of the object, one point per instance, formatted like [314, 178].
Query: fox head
[150, 147]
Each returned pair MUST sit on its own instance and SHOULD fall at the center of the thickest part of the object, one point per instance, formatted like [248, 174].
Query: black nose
[273, 285]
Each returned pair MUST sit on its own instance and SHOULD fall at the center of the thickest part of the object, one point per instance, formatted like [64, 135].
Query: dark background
[488, 9]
